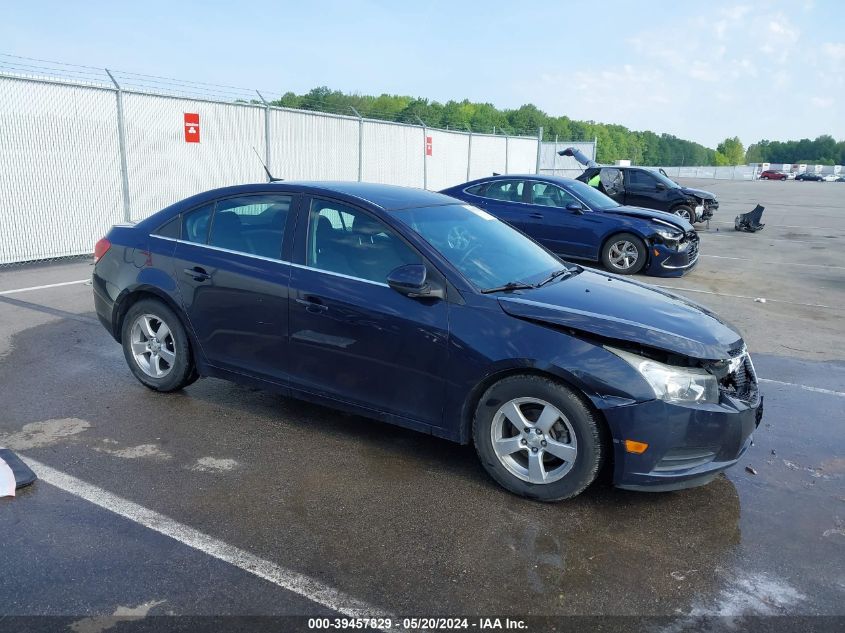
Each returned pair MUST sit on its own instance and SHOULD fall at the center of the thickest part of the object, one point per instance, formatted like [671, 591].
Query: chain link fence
[82, 149]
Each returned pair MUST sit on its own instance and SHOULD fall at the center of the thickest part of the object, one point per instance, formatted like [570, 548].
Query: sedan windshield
[594, 198]
[488, 252]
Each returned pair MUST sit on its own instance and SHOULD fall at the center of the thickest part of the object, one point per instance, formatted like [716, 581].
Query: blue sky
[701, 70]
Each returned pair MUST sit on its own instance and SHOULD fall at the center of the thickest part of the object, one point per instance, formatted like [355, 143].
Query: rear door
[508, 200]
[352, 337]
[613, 184]
[233, 281]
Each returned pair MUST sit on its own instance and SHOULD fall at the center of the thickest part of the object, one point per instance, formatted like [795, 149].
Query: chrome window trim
[331, 272]
[270, 259]
[224, 250]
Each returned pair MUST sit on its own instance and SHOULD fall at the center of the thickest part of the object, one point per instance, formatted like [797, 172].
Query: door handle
[536, 216]
[197, 273]
[313, 305]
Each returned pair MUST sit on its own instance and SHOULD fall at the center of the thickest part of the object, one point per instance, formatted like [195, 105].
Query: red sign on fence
[428, 146]
[192, 127]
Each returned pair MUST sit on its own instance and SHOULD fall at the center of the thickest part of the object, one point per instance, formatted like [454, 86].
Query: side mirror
[576, 207]
[660, 186]
[411, 281]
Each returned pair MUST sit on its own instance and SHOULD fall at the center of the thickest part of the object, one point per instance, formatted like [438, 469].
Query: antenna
[269, 175]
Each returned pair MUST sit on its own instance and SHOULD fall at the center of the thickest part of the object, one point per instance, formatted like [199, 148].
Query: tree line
[824, 150]
[614, 142]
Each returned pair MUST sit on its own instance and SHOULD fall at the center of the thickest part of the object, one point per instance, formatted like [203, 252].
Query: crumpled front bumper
[667, 262]
[687, 445]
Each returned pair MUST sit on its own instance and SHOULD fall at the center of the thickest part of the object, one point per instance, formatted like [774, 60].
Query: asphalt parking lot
[224, 500]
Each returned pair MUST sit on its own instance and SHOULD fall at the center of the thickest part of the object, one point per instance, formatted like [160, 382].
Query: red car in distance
[771, 174]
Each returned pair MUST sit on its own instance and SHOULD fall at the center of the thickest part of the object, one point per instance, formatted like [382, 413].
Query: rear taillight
[101, 248]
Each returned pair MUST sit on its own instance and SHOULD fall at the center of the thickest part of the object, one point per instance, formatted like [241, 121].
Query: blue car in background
[420, 310]
[577, 221]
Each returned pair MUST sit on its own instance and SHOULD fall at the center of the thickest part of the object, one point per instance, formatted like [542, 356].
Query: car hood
[617, 308]
[698, 193]
[652, 214]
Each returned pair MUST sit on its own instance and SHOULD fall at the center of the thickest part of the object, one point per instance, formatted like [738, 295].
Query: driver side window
[548, 195]
[641, 179]
[348, 241]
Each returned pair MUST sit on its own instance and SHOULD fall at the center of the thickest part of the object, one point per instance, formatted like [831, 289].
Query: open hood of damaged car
[623, 310]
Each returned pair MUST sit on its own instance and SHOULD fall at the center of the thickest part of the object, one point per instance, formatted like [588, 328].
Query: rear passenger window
[253, 225]
[345, 240]
[506, 190]
[195, 224]
[171, 228]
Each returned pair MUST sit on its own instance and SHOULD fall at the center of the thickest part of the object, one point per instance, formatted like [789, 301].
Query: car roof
[540, 177]
[387, 197]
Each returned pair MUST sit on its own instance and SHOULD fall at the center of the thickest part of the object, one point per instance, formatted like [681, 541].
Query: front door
[234, 284]
[644, 190]
[354, 338]
[567, 232]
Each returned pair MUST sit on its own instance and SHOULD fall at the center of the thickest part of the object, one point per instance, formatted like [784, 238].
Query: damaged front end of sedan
[673, 252]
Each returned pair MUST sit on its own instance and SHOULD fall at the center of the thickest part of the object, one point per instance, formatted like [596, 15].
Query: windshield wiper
[553, 276]
[511, 285]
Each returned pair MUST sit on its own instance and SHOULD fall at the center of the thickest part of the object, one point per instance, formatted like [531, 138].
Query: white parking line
[804, 387]
[747, 259]
[292, 581]
[64, 283]
[725, 294]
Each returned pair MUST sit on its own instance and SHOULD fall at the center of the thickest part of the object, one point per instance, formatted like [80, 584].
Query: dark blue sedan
[414, 308]
[577, 221]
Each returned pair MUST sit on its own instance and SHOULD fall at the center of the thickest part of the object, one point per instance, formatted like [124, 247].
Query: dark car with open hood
[420, 310]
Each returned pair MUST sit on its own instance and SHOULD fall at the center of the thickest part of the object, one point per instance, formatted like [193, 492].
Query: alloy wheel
[534, 440]
[623, 254]
[153, 347]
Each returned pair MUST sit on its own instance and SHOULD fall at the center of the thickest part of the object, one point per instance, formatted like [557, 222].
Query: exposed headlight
[671, 236]
[673, 384]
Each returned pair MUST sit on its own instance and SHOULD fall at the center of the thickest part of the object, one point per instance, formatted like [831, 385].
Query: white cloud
[836, 51]
[822, 102]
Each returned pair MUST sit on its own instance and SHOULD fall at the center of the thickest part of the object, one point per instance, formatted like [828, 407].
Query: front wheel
[624, 254]
[685, 212]
[537, 438]
[156, 347]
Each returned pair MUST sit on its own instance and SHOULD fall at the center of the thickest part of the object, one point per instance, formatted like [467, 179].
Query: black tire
[607, 257]
[584, 423]
[685, 212]
[764, 177]
[181, 372]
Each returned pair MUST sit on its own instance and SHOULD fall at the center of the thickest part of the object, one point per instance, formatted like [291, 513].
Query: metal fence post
[425, 151]
[469, 152]
[507, 168]
[121, 143]
[539, 146]
[360, 144]
[595, 148]
[266, 132]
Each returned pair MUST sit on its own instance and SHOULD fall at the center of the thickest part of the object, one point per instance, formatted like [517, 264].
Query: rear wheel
[764, 177]
[624, 254]
[156, 347]
[537, 438]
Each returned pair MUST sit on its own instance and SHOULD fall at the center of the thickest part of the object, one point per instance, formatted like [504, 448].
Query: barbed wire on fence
[49, 70]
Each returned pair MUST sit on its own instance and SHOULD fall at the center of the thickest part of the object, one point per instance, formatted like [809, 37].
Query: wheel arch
[633, 230]
[474, 396]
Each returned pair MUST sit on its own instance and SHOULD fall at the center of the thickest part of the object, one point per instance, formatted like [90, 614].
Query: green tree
[732, 151]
